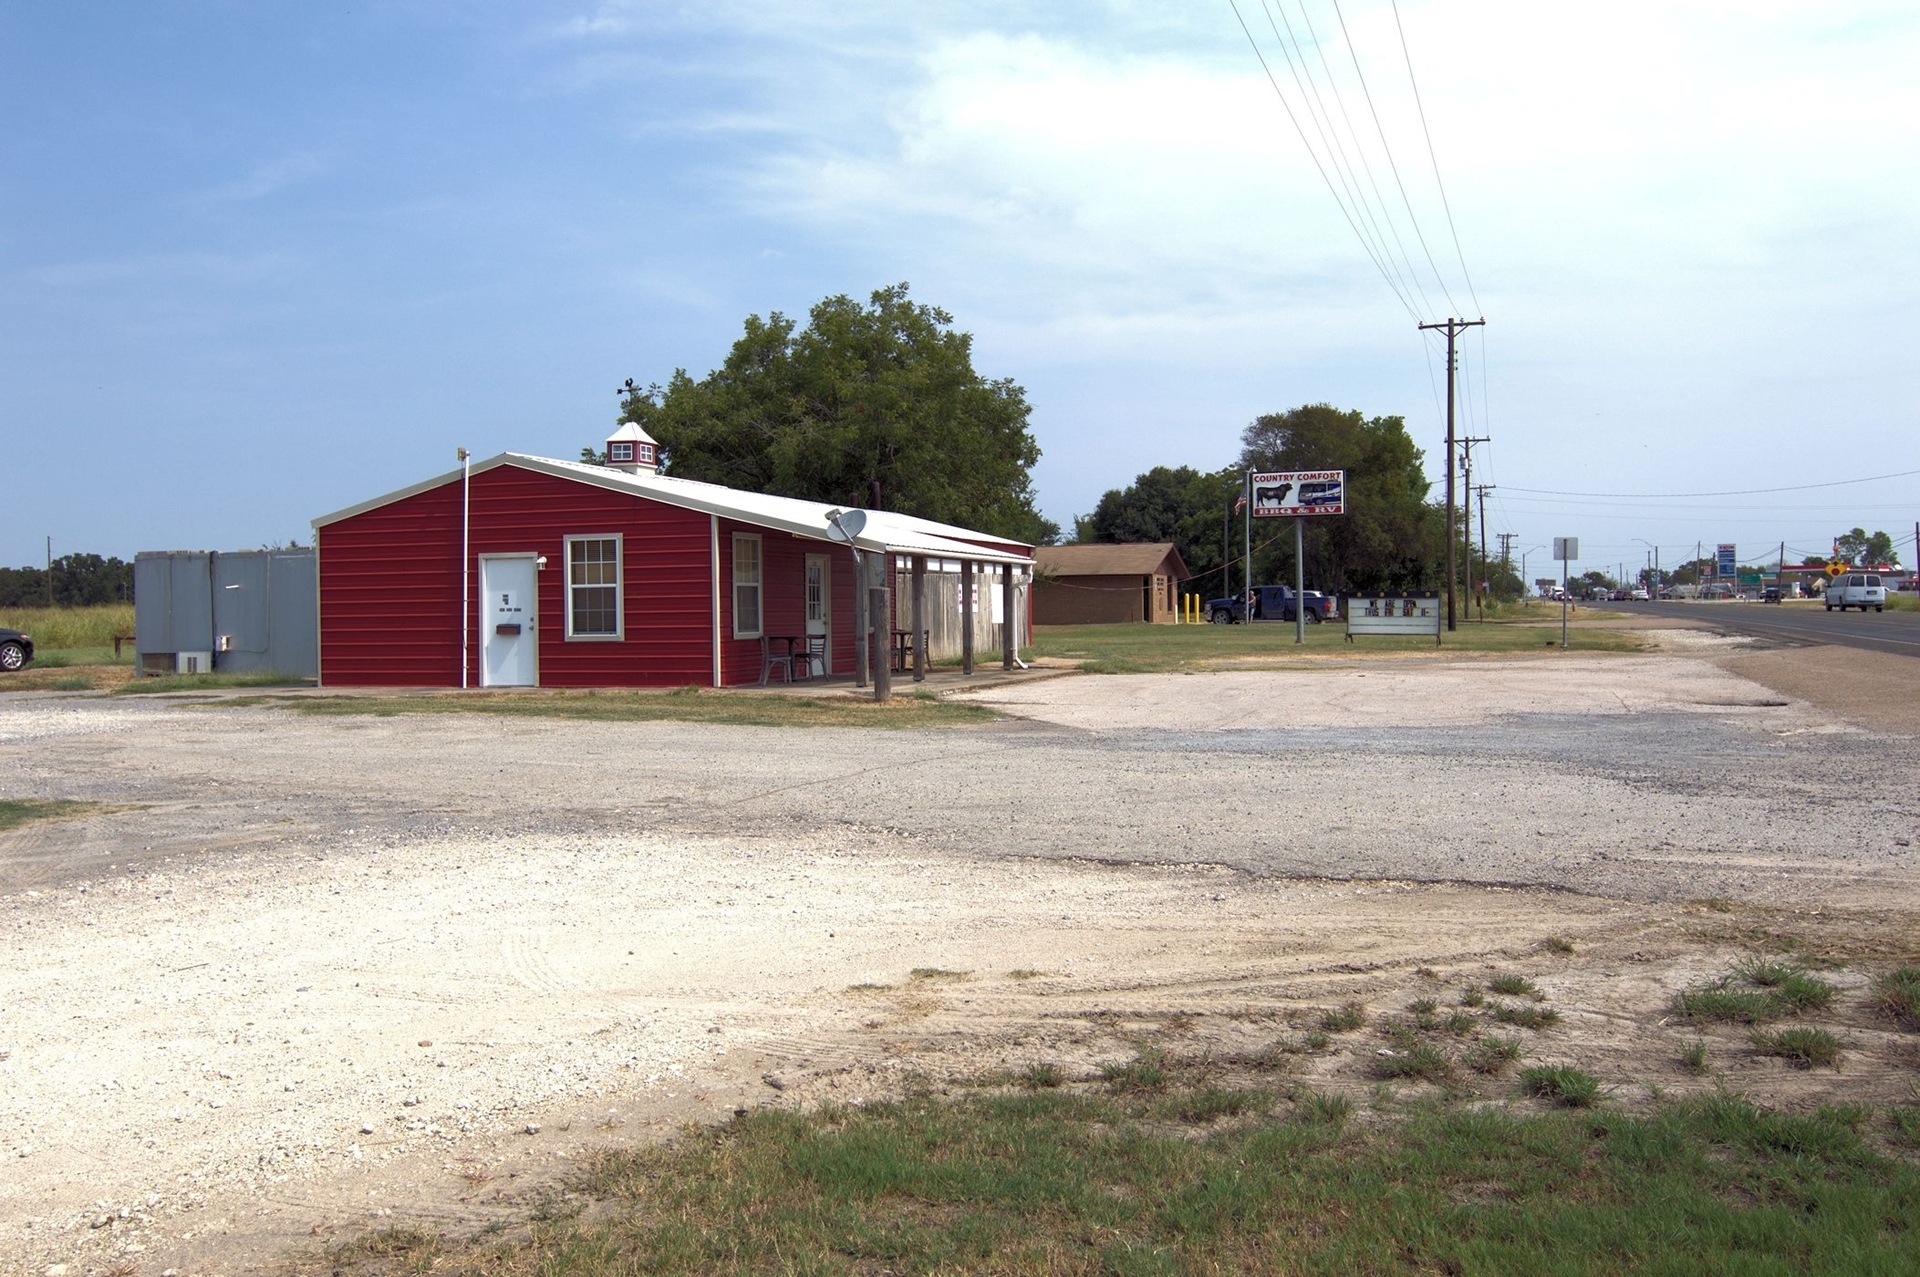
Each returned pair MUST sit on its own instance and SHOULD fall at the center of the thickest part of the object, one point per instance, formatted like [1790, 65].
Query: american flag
[1241, 504]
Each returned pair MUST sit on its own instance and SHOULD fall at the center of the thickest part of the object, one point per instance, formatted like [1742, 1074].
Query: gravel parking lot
[308, 974]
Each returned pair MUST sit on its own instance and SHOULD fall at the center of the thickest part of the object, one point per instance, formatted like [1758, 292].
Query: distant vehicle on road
[16, 649]
[1639, 596]
[1857, 589]
[1270, 603]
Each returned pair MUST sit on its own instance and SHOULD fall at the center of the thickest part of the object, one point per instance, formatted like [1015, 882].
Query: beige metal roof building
[1107, 584]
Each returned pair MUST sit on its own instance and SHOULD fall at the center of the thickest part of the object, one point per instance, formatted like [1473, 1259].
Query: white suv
[1857, 589]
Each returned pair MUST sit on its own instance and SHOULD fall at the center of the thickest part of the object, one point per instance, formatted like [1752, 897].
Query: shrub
[1559, 944]
[1042, 1076]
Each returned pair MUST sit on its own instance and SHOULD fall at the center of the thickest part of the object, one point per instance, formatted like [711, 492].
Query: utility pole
[49, 571]
[1452, 328]
[1506, 547]
[1466, 521]
[1481, 594]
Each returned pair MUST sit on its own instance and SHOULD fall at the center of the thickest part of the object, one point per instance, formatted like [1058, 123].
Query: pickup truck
[1270, 603]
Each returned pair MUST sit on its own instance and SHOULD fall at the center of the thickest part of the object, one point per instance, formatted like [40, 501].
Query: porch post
[1009, 632]
[859, 619]
[919, 618]
[966, 616]
[880, 610]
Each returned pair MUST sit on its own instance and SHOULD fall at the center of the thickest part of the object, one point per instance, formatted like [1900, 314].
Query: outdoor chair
[811, 660]
[771, 660]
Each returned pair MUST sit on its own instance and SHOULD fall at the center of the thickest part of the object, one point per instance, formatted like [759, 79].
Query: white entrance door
[509, 644]
[820, 602]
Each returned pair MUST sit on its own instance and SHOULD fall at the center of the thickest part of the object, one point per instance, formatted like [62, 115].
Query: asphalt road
[1895, 632]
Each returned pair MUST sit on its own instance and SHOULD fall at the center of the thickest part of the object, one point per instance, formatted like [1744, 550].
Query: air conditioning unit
[193, 662]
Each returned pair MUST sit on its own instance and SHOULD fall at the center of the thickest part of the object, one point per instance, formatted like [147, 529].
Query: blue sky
[261, 262]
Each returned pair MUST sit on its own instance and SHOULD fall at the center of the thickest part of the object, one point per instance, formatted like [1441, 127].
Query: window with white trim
[620, 452]
[746, 585]
[593, 587]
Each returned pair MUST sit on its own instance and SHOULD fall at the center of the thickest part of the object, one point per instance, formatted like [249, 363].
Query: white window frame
[619, 586]
[620, 452]
[644, 454]
[757, 585]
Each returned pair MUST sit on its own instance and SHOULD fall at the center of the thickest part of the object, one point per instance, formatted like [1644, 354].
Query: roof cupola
[633, 450]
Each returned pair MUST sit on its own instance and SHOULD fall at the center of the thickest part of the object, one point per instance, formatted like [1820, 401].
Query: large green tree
[1179, 504]
[1866, 549]
[1391, 536]
[883, 393]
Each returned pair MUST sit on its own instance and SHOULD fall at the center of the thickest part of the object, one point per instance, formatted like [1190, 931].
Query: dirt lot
[315, 975]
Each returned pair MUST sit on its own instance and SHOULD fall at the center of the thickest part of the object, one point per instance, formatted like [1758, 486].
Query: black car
[16, 649]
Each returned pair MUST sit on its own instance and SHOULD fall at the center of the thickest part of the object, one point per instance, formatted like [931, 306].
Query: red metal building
[525, 571]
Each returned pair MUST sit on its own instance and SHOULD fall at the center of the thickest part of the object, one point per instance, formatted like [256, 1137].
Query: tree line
[79, 580]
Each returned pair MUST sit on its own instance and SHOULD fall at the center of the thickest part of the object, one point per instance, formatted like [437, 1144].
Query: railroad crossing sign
[1836, 568]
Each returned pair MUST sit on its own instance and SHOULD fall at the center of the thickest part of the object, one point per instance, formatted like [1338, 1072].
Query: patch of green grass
[57, 628]
[1562, 1085]
[15, 812]
[1423, 1006]
[1693, 1058]
[1344, 1018]
[1422, 1060]
[1524, 1016]
[1202, 1105]
[1558, 944]
[1715, 1004]
[1515, 986]
[1802, 1047]
[1778, 989]
[76, 683]
[1145, 1072]
[1317, 1040]
[1897, 995]
[208, 682]
[1492, 1054]
[1472, 996]
[730, 706]
[1148, 649]
[1905, 1122]
[1057, 1182]
[1042, 1076]
[1328, 1108]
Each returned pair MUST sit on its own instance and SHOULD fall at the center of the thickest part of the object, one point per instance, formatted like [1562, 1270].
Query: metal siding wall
[390, 584]
[240, 606]
[293, 624]
[783, 603]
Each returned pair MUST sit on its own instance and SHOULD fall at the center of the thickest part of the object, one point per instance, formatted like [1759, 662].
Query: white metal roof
[886, 531]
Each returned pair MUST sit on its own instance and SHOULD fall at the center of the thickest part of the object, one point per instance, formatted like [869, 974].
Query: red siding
[390, 587]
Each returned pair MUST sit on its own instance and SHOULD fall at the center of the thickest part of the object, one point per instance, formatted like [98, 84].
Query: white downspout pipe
[466, 528]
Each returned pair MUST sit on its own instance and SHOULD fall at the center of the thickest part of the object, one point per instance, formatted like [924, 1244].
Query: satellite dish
[845, 525]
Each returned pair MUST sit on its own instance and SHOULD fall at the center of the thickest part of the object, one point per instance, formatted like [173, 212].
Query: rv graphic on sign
[1299, 492]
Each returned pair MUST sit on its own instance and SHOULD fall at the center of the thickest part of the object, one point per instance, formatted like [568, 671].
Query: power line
[1742, 492]
[1387, 149]
[1315, 157]
[1433, 156]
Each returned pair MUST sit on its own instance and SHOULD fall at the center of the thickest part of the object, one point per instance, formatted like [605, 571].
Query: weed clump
[1144, 1072]
[1042, 1076]
[1515, 986]
[1327, 1108]
[1559, 944]
[1694, 1058]
[1897, 995]
[1344, 1019]
[1801, 1047]
[1524, 1016]
[1492, 1055]
[1777, 989]
[1562, 1085]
